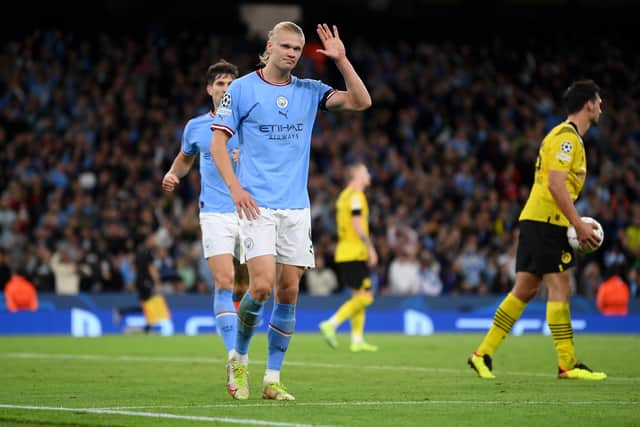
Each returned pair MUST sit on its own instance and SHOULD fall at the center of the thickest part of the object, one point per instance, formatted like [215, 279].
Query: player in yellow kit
[354, 255]
[544, 254]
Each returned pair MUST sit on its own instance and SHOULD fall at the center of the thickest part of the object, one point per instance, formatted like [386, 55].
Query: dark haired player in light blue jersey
[218, 217]
[272, 113]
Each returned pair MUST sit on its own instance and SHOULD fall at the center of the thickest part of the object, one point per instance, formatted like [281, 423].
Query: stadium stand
[88, 125]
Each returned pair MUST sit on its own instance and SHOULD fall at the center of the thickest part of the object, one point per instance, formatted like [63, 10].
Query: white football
[573, 238]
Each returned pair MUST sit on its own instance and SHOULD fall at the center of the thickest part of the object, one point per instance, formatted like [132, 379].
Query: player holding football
[218, 218]
[544, 253]
[355, 254]
[273, 113]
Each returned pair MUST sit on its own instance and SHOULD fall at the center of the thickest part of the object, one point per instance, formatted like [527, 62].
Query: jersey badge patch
[226, 100]
[282, 102]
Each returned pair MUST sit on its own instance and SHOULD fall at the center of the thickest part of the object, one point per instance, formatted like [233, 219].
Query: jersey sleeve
[562, 150]
[189, 145]
[323, 93]
[356, 204]
[228, 116]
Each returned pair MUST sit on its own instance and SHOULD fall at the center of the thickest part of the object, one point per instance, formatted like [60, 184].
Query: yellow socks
[559, 320]
[506, 315]
[357, 323]
[345, 312]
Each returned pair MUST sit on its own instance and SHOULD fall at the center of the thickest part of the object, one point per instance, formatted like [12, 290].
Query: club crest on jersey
[282, 102]
[566, 147]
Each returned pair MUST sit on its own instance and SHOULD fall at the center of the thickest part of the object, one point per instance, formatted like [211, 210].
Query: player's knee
[288, 295]
[241, 275]
[525, 295]
[240, 288]
[366, 299]
[261, 294]
[261, 289]
[223, 280]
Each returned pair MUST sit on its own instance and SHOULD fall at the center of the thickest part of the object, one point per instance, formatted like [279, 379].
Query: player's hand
[373, 257]
[246, 206]
[333, 46]
[235, 154]
[170, 181]
[586, 233]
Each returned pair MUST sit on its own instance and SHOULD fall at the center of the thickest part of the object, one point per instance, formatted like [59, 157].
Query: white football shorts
[284, 233]
[221, 234]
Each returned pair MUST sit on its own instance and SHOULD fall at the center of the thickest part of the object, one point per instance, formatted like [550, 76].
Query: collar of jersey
[259, 73]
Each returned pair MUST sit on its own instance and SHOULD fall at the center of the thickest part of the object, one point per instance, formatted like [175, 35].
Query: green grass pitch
[141, 380]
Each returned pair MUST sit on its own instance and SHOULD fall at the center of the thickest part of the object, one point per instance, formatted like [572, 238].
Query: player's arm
[356, 223]
[180, 167]
[245, 204]
[560, 194]
[356, 97]
[155, 276]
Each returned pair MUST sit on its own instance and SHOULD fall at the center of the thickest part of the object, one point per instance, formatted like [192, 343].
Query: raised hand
[333, 46]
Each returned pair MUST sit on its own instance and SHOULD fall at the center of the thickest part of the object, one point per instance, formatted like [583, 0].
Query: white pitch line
[177, 359]
[108, 358]
[243, 421]
[390, 403]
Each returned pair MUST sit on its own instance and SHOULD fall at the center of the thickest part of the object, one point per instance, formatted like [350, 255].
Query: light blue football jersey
[273, 124]
[214, 194]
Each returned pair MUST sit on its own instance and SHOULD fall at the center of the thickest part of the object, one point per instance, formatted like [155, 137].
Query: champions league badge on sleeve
[565, 148]
[225, 104]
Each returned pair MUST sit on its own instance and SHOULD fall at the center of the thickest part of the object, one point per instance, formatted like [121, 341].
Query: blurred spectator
[20, 294]
[321, 280]
[39, 269]
[87, 129]
[65, 269]
[472, 267]
[613, 296]
[166, 265]
[632, 280]
[503, 281]
[147, 282]
[186, 274]
[5, 270]
[429, 273]
[631, 237]
[590, 280]
[404, 270]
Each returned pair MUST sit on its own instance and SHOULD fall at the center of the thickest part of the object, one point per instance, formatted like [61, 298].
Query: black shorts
[543, 248]
[354, 274]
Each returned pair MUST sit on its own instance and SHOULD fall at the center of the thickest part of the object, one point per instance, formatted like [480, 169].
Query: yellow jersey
[561, 150]
[350, 247]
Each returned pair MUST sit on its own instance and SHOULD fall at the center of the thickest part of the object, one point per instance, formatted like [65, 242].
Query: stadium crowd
[88, 127]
